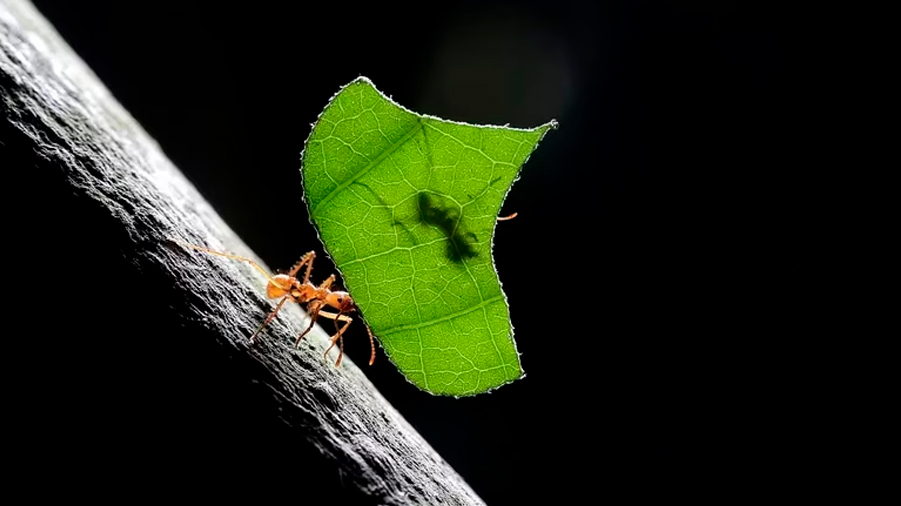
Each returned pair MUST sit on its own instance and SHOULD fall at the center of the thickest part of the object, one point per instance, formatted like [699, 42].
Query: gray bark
[115, 200]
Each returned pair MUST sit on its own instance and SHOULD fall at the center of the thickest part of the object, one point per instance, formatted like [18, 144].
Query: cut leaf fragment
[406, 205]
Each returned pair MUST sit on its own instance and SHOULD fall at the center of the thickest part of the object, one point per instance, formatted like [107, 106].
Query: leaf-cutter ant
[289, 287]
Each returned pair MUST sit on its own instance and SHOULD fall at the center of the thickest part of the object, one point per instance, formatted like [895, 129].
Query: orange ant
[288, 287]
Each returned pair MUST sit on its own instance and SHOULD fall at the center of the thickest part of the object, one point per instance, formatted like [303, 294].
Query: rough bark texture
[157, 358]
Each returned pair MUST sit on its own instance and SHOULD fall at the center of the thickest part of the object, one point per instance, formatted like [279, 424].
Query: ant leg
[348, 319]
[304, 260]
[505, 218]
[327, 283]
[340, 339]
[313, 312]
[339, 336]
[336, 316]
[269, 318]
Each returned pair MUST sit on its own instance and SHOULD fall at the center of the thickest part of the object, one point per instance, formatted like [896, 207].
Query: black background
[645, 272]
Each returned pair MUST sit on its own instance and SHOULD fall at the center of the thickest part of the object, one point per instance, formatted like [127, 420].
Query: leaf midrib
[391, 149]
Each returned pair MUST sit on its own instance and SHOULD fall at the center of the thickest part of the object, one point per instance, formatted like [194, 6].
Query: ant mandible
[288, 287]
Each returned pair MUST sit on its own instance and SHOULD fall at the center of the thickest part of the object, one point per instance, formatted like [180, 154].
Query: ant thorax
[305, 292]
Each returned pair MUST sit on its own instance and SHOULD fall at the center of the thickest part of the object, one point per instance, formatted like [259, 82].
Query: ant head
[341, 301]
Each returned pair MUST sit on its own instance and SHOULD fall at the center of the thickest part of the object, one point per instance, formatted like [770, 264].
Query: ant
[289, 287]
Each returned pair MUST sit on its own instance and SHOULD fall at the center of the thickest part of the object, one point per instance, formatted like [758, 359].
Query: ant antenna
[371, 343]
[234, 257]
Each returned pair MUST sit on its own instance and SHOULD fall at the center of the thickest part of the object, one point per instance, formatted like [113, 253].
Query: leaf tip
[361, 79]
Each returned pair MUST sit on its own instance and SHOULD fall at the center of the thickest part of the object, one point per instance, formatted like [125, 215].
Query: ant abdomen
[282, 284]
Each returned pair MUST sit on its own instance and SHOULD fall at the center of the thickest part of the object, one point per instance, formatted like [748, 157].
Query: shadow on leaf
[447, 220]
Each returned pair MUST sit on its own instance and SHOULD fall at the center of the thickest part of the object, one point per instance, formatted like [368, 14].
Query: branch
[101, 173]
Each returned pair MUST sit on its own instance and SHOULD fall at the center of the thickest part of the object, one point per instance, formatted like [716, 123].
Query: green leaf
[406, 205]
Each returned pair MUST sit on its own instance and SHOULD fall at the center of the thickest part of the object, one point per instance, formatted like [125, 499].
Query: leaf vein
[435, 321]
[391, 149]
